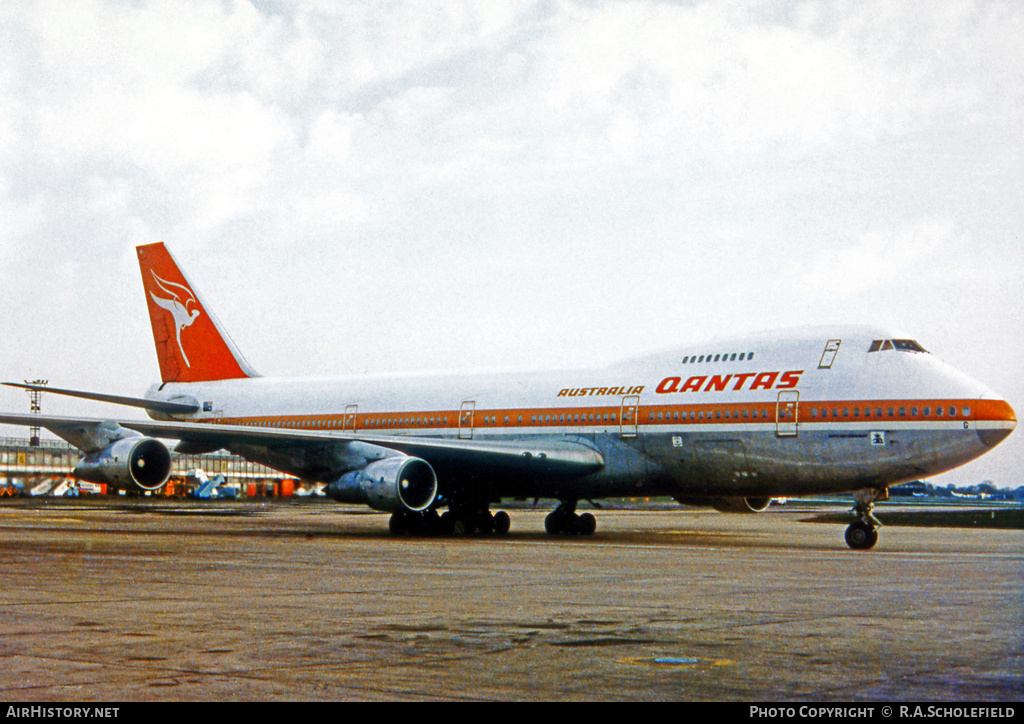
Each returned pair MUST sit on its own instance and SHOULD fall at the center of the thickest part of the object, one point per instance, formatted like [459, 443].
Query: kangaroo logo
[177, 303]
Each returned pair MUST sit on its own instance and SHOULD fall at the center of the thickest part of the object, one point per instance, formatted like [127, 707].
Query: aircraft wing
[544, 456]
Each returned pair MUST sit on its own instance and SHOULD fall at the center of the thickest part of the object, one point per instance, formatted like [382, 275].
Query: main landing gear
[475, 522]
[564, 520]
[456, 521]
[464, 518]
[862, 534]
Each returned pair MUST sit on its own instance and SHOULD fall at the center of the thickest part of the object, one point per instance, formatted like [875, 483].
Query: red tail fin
[190, 343]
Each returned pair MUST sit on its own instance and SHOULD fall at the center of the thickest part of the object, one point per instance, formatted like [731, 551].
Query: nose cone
[995, 421]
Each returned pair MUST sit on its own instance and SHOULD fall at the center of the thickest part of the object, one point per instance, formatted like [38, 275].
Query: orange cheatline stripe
[848, 411]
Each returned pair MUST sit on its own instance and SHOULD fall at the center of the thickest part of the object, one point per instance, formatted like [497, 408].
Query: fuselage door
[786, 412]
[466, 420]
[629, 415]
[348, 422]
[829, 355]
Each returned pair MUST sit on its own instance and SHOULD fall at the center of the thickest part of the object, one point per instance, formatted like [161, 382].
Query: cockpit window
[904, 345]
[908, 345]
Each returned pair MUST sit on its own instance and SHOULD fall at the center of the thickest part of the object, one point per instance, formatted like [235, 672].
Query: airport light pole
[35, 396]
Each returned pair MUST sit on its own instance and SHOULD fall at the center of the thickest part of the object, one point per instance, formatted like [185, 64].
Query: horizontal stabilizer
[171, 408]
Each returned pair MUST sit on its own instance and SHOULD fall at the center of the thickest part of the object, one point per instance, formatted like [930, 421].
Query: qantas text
[735, 383]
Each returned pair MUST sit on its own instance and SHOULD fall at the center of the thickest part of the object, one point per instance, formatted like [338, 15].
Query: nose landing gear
[862, 534]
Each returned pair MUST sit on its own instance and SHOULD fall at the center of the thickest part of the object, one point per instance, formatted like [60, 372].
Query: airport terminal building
[46, 469]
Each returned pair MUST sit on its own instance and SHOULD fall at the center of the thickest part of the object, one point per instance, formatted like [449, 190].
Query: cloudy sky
[380, 186]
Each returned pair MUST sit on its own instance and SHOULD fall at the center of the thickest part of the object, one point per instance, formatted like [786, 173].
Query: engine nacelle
[395, 483]
[132, 463]
[731, 504]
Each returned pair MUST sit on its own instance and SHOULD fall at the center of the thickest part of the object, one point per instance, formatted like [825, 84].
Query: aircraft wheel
[586, 524]
[557, 523]
[860, 536]
[485, 523]
[502, 523]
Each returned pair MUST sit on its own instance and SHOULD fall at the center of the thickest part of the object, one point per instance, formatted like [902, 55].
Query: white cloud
[896, 257]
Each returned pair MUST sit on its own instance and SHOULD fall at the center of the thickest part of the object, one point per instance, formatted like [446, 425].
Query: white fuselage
[814, 410]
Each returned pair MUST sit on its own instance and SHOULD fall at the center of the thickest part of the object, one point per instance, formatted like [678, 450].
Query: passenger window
[966, 411]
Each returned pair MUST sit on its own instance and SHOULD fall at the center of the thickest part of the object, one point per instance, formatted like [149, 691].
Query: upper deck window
[904, 345]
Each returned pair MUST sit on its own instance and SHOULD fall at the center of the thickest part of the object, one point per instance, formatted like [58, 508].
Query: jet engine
[730, 504]
[132, 464]
[394, 483]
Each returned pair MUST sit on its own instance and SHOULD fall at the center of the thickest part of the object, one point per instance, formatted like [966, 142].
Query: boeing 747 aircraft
[730, 424]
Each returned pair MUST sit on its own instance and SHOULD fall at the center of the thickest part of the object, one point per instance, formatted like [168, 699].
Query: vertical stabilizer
[190, 343]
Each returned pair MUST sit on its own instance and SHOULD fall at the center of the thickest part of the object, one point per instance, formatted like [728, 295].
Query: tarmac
[146, 600]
